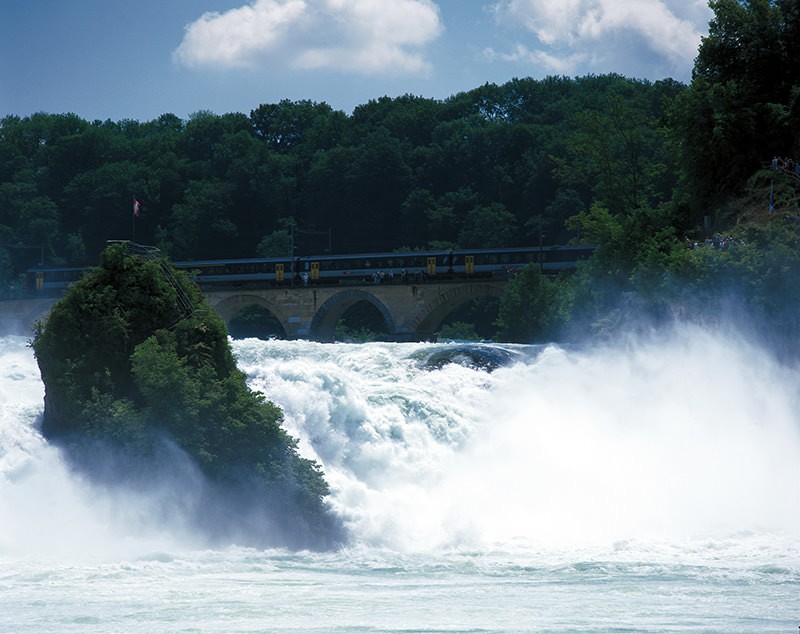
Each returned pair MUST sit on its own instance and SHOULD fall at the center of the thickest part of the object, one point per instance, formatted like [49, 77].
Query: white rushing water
[651, 487]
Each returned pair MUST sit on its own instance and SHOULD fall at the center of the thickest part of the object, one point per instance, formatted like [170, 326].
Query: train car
[551, 259]
[427, 265]
[411, 267]
[51, 280]
[241, 272]
[372, 267]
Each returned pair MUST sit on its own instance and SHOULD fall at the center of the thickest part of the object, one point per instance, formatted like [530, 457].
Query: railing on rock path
[185, 306]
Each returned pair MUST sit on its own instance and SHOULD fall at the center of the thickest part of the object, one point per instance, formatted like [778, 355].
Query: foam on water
[694, 437]
[650, 487]
[687, 438]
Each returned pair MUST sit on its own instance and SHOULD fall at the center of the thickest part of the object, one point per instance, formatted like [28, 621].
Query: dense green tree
[488, 226]
[412, 225]
[409, 119]
[201, 222]
[302, 125]
[615, 153]
[532, 309]
[741, 108]
[131, 357]
[446, 216]
[277, 244]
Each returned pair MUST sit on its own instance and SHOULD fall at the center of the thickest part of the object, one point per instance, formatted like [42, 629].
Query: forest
[691, 192]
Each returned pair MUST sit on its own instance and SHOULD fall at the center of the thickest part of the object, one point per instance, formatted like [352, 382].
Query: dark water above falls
[653, 487]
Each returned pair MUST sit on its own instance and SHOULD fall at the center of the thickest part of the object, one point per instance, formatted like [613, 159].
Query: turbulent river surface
[648, 487]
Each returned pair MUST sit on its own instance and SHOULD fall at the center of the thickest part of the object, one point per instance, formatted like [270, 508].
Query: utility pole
[291, 257]
[541, 241]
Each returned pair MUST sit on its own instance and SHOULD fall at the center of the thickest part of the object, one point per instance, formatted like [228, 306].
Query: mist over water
[685, 437]
[664, 471]
[49, 512]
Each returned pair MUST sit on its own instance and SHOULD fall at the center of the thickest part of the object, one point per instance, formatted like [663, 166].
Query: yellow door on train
[469, 264]
[432, 266]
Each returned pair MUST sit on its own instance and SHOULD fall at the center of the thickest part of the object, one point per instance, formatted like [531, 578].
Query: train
[406, 267]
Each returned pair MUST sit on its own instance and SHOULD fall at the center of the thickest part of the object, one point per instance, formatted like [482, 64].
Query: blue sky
[138, 59]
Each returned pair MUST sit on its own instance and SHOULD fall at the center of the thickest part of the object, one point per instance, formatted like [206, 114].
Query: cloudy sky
[138, 59]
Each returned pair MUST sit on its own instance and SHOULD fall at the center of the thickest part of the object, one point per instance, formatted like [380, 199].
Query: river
[652, 486]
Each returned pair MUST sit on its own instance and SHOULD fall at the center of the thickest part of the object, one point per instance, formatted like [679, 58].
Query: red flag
[135, 208]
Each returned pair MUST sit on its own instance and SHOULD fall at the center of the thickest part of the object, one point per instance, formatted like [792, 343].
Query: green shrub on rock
[132, 357]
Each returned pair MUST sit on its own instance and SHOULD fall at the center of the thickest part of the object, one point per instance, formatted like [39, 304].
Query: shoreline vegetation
[141, 386]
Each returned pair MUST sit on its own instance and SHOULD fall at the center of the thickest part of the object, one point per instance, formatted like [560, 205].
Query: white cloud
[362, 36]
[650, 37]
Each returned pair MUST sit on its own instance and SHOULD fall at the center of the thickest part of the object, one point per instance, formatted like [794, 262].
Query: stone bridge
[411, 311]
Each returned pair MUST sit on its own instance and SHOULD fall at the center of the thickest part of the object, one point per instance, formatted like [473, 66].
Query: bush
[127, 366]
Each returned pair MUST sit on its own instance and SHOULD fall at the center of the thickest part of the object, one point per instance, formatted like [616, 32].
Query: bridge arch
[324, 322]
[431, 315]
[229, 307]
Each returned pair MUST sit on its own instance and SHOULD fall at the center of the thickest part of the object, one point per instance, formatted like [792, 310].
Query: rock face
[484, 357]
[139, 378]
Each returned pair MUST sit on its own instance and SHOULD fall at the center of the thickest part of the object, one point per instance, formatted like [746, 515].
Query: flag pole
[134, 217]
